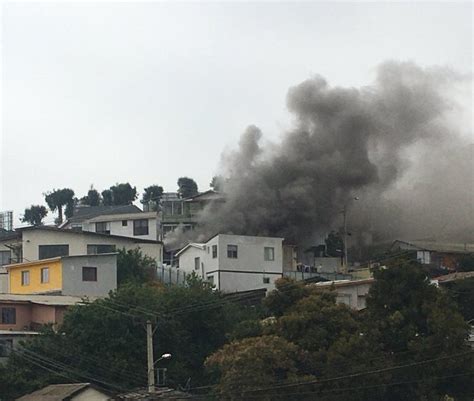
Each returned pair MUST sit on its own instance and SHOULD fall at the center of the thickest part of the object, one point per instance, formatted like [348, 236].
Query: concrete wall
[3, 280]
[44, 314]
[78, 242]
[353, 294]
[90, 394]
[23, 315]
[106, 275]
[36, 286]
[247, 272]
[116, 227]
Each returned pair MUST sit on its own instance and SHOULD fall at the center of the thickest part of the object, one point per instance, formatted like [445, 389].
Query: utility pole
[150, 359]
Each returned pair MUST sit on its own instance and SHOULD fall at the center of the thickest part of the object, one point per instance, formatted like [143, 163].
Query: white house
[235, 262]
[126, 221]
[44, 242]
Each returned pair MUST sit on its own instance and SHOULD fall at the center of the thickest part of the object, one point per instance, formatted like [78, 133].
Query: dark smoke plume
[393, 144]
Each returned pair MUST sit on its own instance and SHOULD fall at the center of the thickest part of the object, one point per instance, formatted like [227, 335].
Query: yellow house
[81, 275]
[36, 277]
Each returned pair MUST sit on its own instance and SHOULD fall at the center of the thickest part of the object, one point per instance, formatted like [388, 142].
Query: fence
[301, 276]
[171, 275]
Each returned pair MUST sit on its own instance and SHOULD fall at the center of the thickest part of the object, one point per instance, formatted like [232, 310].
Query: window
[266, 280]
[232, 251]
[140, 227]
[93, 249]
[102, 228]
[8, 316]
[124, 223]
[45, 275]
[25, 277]
[52, 251]
[210, 280]
[5, 257]
[269, 253]
[214, 251]
[89, 273]
[197, 263]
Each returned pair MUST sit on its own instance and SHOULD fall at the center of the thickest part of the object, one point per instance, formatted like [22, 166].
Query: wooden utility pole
[150, 359]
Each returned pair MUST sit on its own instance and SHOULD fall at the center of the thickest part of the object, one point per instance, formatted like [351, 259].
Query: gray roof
[8, 235]
[442, 247]
[56, 392]
[89, 212]
[90, 233]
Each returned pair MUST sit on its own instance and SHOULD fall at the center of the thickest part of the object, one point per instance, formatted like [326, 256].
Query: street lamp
[164, 356]
[344, 214]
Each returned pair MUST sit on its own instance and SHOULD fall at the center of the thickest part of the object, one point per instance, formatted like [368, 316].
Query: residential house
[352, 293]
[45, 242]
[177, 212]
[235, 262]
[126, 221]
[80, 275]
[22, 315]
[440, 255]
[68, 392]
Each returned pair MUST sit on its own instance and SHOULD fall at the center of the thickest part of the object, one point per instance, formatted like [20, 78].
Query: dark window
[8, 316]
[93, 249]
[266, 280]
[6, 347]
[102, 228]
[124, 223]
[210, 280]
[197, 262]
[140, 227]
[89, 273]
[232, 251]
[214, 251]
[25, 277]
[5, 257]
[269, 253]
[52, 251]
[45, 275]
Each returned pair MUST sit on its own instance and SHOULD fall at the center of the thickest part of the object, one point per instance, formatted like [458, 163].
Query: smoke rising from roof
[393, 144]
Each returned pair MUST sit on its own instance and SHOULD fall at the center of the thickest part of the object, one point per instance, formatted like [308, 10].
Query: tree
[334, 244]
[107, 197]
[409, 317]
[217, 183]
[133, 266]
[119, 194]
[92, 198]
[187, 187]
[462, 292]
[59, 198]
[34, 215]
[248, 364]
[152, 194]
[104, 342]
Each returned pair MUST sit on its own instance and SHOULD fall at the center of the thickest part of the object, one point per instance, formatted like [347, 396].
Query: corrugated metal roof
[435, 246]
[55, 392]
[53, 300]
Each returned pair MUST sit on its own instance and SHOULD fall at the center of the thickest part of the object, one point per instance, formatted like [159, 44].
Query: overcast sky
[100, 93]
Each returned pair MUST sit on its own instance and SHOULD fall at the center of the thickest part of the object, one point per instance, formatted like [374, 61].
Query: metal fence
[301, 276]
[171, 275]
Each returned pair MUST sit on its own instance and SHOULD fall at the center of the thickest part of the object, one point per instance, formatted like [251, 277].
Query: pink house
[22, 315]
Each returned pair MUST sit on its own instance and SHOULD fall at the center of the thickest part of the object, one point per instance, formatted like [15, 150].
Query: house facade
[47, 242]
[235, 262]
[82, 275]
[440, 255]
[22, 315]
[351, 293]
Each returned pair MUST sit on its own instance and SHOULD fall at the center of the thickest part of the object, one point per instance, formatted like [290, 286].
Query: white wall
[116, 228]
[90, 394]
[247, 272]
[78, 242]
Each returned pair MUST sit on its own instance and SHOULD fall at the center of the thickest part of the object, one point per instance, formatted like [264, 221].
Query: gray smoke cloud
[394, 144]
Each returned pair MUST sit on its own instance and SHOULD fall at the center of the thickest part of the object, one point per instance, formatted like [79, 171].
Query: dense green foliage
[134, 267]
[408, 345]
[92, 198]
[59, 198]
[152, 195]
[34, 215]
[104, 341]
[187, 187]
